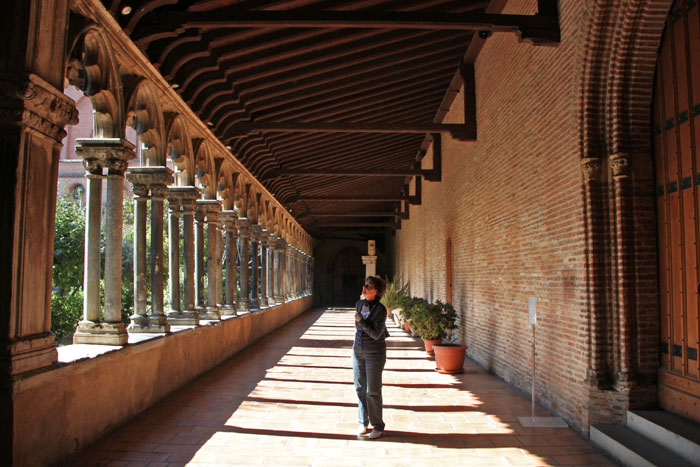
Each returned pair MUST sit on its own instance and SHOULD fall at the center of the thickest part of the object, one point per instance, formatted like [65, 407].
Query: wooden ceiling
[330, 103]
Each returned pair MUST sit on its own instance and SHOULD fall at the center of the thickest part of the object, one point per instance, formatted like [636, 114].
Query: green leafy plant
[395, 291]
[409, 305]
[433, 320]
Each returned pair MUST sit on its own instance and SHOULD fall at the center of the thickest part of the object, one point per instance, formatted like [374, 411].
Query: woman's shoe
[363, 430]
[376, 434]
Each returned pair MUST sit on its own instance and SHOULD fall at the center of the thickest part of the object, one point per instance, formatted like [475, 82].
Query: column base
[27, 354]
[96, 332]
[264, 302]
[210, 313]
[183, 318]
[243, 306]
[228, 310]
[149, 324]
[279, 300]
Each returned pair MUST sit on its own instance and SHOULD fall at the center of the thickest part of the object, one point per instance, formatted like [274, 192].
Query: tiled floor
[289, 400]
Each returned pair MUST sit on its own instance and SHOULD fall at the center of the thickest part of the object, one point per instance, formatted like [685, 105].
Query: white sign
[532, 310]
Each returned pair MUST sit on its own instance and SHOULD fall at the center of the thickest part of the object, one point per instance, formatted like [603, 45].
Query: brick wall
[514, 206]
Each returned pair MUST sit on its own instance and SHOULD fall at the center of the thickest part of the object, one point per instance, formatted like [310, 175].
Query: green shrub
[433, 320]
[66, 312]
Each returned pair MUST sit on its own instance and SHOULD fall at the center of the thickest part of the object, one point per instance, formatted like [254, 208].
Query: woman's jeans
[367, 367]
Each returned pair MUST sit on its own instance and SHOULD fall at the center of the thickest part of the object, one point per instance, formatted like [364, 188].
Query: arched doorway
[677, 164]
[348, 276]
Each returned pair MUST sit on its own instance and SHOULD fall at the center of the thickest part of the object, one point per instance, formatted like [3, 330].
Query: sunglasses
[368, 286]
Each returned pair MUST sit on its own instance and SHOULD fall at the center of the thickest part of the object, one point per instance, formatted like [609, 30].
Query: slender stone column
[255, 267]
[244, 245]
[140, 319]
[282, 251]
[272, 269]
[229, 226]
[145, 180]
[264, 239]
[174, 205]
[91, 273]
[200, 217]
[113, 154]
[158, 322]
[211, 209]
[182, 197]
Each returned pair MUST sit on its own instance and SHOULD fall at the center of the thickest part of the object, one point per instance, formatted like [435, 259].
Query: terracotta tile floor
[289, 400]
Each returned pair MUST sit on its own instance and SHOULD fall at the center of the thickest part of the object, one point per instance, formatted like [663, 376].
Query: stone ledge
[94, 389]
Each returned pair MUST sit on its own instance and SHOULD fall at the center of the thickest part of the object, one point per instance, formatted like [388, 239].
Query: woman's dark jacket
[370, 332]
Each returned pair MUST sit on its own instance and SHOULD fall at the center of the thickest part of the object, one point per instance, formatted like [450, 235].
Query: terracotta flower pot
[429, 345]
[406, 327]
[449, 358]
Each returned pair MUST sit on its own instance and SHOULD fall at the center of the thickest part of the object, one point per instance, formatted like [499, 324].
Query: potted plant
[409, 307]
[431, 321]
[393, 295]
[449, 355]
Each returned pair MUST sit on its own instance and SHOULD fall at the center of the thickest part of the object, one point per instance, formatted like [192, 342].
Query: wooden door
[676, 138]
[348, 275]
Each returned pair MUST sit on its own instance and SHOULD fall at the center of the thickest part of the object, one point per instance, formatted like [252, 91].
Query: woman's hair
[378, 284]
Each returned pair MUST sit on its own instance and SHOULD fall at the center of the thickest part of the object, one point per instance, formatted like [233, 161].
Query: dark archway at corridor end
[348, 276]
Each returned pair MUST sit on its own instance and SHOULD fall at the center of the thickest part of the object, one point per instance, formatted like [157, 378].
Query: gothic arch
[144, 115]
[205, 172]
[93, 69]
[179, 148]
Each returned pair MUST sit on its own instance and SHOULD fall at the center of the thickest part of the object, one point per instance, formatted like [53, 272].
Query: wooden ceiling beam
[540, 28]
[360, 198]
[456, 130]
[345, 214]
[343, 172]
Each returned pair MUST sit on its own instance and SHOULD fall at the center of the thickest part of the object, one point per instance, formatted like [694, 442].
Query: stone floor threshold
[289, 400]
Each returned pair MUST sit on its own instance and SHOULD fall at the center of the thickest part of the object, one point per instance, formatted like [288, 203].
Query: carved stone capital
[156, 178]
[112, 153]
[210, 208]
[590, 169]
[228, 219]
[620, 164]
[140, 190]
[243, 225]
[31, 101]
[158, 191]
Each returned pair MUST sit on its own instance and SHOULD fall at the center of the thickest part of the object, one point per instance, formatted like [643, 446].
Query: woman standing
[369, 356]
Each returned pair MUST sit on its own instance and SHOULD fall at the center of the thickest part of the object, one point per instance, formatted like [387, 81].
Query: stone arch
[179, 148]
[226, 176]
[617, 79]
[144, 115]
[205, 172]
[93, 69]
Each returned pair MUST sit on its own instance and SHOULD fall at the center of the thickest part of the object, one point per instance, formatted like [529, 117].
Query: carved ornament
[30, 100]
[620, 164]
[590, 169]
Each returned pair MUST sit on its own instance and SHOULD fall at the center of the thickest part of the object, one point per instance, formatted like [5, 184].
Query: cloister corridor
[288, 399]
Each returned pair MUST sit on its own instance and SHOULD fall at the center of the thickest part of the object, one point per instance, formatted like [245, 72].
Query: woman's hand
[358, 316]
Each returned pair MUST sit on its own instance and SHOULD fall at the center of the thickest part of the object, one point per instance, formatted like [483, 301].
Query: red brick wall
[514, 207]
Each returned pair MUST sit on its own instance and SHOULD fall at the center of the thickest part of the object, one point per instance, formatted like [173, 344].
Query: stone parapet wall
[69, 406]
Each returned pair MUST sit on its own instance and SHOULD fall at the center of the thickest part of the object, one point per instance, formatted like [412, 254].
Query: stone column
[255, 267]
[244, 245]
[158, 321]
[200, 217]
[112, 154]
[229, 226]
[153, 181]
[264, 239]
[182, 197]
[284, 270]
[272, 269]
[212, 208]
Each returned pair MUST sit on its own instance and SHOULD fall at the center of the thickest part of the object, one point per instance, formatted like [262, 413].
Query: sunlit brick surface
[289, 400]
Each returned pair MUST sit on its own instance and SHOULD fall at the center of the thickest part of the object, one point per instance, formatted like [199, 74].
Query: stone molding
[150, 179]
[28, 99]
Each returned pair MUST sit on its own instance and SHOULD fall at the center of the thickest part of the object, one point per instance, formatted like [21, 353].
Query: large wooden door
[676, 138]
[348, 277]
